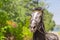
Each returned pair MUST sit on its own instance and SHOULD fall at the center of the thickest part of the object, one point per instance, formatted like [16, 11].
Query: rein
[41, 31]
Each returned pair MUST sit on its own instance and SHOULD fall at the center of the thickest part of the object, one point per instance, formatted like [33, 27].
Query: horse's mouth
[33, 30]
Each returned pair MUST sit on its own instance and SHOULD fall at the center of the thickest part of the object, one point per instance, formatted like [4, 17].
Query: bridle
[41, 31]
[34, 20]
[37, 24]
[40, 28]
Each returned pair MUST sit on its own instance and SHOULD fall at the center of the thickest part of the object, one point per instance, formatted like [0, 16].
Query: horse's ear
[37, 9]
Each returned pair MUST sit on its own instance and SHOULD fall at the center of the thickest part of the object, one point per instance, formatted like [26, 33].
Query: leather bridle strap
[41, 31]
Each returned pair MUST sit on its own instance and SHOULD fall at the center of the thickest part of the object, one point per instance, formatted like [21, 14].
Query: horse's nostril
[34, 27]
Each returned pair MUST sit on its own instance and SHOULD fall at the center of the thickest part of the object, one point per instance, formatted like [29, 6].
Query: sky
[54, 7]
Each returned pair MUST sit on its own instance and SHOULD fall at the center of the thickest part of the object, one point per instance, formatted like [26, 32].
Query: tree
[48, 22]
[10, 9]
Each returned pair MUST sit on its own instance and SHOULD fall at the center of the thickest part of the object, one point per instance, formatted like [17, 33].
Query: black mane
[38, 8]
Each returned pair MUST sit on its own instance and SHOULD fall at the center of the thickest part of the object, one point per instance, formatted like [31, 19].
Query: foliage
[3, 18]
[48, 22]
[26, 31]
[10, 9]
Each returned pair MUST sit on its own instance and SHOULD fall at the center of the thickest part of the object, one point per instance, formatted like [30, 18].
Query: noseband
[34, 20]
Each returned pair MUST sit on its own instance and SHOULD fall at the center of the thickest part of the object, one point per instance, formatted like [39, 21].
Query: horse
[37, 26]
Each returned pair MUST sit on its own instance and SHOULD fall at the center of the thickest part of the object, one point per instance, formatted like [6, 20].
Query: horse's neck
[38, 35]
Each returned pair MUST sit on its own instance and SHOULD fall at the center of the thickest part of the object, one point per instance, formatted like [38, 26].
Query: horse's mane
[38, 8]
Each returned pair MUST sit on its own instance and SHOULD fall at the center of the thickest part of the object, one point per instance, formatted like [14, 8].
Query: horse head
[36, 18]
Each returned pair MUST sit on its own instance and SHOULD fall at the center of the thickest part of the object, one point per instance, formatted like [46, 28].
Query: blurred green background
[15, 19]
